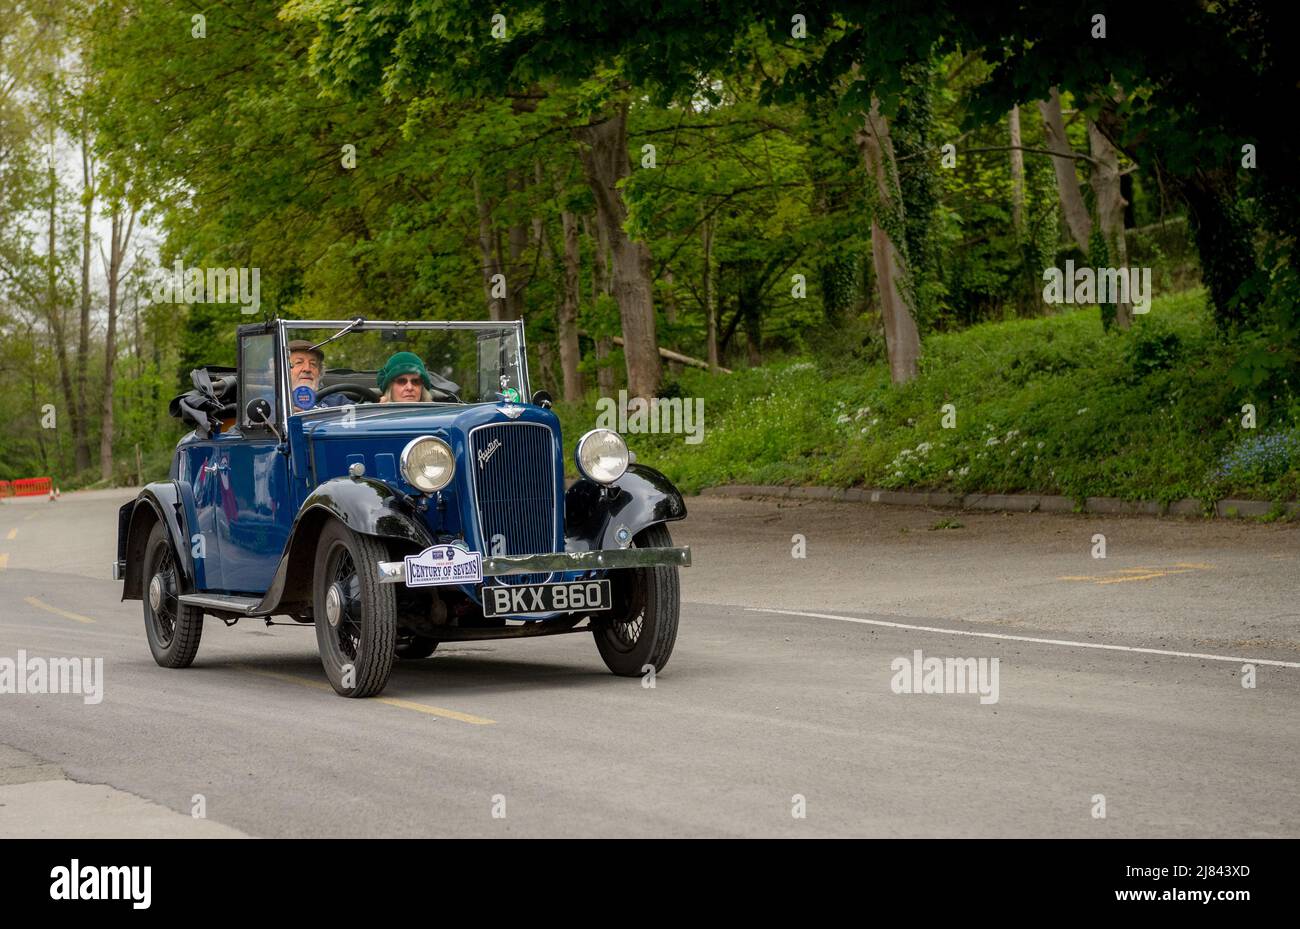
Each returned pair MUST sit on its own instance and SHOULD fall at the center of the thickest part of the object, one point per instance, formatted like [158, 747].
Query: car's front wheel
[356, 616]
[173, 629]
[640, 634]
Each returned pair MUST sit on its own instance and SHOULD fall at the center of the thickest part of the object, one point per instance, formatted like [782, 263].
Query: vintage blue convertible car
[393, 526]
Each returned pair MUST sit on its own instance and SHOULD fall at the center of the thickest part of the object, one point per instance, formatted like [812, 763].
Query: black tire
[643, 629]
[364, 633]
[173, 629]
[415, 646]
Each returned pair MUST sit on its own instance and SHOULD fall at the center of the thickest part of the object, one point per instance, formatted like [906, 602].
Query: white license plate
[573, 597]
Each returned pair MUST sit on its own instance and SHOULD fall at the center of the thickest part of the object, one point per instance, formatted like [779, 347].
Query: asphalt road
[1119, 678]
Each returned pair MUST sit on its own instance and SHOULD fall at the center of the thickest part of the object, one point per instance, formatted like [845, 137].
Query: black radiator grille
[514, 483]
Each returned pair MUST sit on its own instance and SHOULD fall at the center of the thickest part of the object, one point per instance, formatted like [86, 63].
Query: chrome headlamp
[602, 456]
[428, 464]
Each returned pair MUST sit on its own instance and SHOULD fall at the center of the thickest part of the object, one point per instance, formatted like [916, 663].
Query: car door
[255, 510]
[199, 468]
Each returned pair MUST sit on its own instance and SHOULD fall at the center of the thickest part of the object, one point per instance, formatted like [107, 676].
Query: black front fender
[364, 505]
[595, 515]
[158, 502]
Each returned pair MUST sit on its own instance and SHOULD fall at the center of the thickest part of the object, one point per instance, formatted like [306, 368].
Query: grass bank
[1052, 405]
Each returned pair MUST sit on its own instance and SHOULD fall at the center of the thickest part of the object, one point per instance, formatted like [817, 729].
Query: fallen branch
[673, 356]
[678, 356]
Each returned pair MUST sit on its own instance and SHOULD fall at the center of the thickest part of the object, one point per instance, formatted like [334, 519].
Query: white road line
[1025, 638]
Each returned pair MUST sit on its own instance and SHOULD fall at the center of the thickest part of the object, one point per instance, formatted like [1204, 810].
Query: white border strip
[1025, 638]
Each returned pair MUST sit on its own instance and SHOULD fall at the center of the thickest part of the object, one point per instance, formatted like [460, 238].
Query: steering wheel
[360, 392]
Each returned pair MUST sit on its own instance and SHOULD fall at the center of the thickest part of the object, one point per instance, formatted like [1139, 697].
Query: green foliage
[1153, 347]
[1267, 464]
[1048, 406]
[465, 155]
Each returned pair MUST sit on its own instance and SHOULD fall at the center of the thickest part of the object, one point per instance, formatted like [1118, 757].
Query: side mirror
[543, 399]
[258, 411]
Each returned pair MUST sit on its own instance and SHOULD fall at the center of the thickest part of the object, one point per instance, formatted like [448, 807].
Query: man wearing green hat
[404, 379]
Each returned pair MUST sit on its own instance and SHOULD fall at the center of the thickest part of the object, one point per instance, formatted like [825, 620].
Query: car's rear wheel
[415, 646]
[173, 629]
[356, 616]
[640, 635]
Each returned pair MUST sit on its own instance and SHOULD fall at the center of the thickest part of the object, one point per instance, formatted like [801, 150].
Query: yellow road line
[4, 560]
[390, 701]
[13, 534]
[1122, 575]
[1140, 577]
[54, 609]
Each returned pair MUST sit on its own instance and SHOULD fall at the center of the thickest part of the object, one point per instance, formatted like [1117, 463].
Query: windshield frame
[285, 326]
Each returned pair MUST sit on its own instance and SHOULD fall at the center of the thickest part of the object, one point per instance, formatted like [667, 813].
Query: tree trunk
[753, 335]
[605, 162]
[546, 362]
[600, 284]
[54, 313]
[120, 238]
[517, 239]
[567, 321]
[1073, 208]
[902, 340]
[136, 348]
[80, 426]
[1224, 240]
[710, 310]
[1017, 172]
[36, 401]
[1104, 179]
[487, 252]
[670, 313]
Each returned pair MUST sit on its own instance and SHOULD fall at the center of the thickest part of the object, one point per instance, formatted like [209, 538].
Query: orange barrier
[6, 489]
[32, 486]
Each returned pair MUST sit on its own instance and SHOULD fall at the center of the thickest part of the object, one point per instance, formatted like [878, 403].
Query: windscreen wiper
[359, 321]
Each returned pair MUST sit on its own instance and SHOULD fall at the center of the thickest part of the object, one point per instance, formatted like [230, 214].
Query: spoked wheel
[173, 629]
[356, 616]
[643, 628]
[415, 646]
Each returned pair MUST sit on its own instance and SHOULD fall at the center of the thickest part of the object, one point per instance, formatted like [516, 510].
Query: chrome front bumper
[394, 572]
